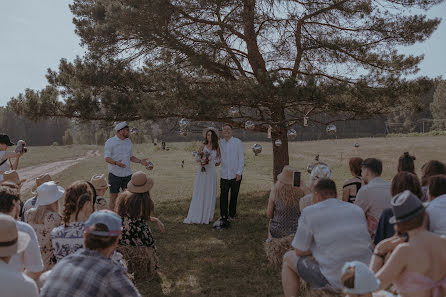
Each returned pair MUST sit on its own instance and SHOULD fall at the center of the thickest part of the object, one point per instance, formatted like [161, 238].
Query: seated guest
[359, 281]
[78, 206]
[437, 207]
[101, 186]
[31, 202]
[330, 233]
[45, 217]
[136, 209]
[12, 177]
[429, 169]
[406, 163]
[283, 212]
[13, 283]
[352, 185]
[320, 170]
[30, 260]
[375, 195]
[401, 182]
[416, 266]
[89, 272]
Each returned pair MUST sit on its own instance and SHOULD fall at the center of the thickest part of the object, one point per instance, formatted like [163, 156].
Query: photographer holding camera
[6, 157]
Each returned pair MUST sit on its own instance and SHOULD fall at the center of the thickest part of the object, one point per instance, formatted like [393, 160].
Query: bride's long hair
[214, 139]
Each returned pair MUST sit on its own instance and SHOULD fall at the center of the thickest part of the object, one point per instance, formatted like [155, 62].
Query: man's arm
[139, 161]
[241, 160]
[362, 200]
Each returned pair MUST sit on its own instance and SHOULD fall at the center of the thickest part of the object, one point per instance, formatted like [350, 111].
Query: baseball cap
[111, 220]
[121, 126]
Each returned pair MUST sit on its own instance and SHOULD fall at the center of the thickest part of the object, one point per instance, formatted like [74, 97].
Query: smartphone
[296, 178]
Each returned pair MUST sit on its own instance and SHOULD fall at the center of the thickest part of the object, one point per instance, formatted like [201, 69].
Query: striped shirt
[335, 232]
[87, 273]
[119, 150]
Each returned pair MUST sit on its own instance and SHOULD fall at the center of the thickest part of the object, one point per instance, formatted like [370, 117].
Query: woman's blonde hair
[37, 215]
[288, 194]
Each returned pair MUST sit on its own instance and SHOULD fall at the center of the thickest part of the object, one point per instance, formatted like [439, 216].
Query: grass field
[198, 261]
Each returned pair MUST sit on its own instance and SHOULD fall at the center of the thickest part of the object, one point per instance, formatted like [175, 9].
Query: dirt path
[32, 172]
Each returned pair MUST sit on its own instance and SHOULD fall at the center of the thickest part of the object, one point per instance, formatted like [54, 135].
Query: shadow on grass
[200, 261]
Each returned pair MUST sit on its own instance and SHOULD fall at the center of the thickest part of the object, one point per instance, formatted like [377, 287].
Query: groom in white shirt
[232, 164]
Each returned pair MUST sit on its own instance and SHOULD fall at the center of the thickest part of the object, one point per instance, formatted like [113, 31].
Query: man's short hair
[374, 165]
[227, 124]
[7, 197]
[326, 188]
[437, 185]
[96, 242]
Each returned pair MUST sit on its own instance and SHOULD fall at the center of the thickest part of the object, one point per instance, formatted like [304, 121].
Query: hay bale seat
[142, 261]
[275, 248]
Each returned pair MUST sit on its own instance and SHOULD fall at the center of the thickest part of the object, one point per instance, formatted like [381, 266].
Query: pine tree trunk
[280, 153]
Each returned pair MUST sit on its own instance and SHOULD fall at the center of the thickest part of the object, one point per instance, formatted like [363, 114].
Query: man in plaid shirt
[89, 271]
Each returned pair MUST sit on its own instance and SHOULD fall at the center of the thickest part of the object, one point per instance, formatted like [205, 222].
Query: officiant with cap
[118, 154]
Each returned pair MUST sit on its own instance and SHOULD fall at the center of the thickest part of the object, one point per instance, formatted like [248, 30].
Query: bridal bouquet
[204, 159]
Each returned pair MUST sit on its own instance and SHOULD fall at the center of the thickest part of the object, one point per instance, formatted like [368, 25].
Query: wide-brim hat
[40, 180]
[99, 182]
[5, 140]
[48, 193]
[12, 241]
[140, 183]
[287, 175]
[205, 131]
[405, 206]
[12, 176]
[365, 280]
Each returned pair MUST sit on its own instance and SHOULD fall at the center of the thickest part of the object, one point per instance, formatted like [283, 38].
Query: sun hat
[320, 170]
[365, 280]
[99, 182]
[12, 176]
[43, 178]
[121, 126]
[5, 140]
[205, 131]
[287, 175]
[140, 183]
[48, 193]
[12, 241]
[405, 206]
[107, 218]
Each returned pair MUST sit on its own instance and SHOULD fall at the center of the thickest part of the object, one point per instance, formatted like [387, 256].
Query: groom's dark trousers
[225, 186]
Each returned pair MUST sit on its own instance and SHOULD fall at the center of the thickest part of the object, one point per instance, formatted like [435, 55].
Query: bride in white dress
[202, 206]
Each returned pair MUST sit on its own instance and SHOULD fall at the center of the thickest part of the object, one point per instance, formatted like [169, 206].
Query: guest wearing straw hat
[12, 176]
[118, 154]
[101, 186]
[45, 217]
[31, 202]
[30, 260]
[416, 266]
[359, 281]
[283, 212]
[136, 209]
[12, 242]
[5, 157]
[320, 170]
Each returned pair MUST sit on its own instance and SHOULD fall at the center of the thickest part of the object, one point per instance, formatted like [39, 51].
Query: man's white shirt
[232, 158]
[118, 149]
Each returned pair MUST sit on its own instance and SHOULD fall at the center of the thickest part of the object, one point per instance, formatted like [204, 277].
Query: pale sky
[36, 34]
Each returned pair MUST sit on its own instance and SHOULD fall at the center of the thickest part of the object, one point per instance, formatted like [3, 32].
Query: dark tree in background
[271, 62]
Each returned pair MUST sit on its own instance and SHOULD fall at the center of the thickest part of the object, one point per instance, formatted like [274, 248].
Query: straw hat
[287, 175]
[40, 180]
[209, 128]
[12, 241]
[140, 183]
[48, 193]
[12, 176]
[99, 182]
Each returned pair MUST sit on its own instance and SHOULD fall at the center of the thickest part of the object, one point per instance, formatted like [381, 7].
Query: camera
[21, 147]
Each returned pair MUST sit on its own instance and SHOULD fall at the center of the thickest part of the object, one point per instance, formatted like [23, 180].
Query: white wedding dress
[202, 206]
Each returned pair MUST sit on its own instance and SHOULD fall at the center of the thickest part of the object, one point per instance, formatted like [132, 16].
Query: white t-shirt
[31, 258]
[118, 149]
[232, 158]
[437, 215]
[335, 232]
[16, 284]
